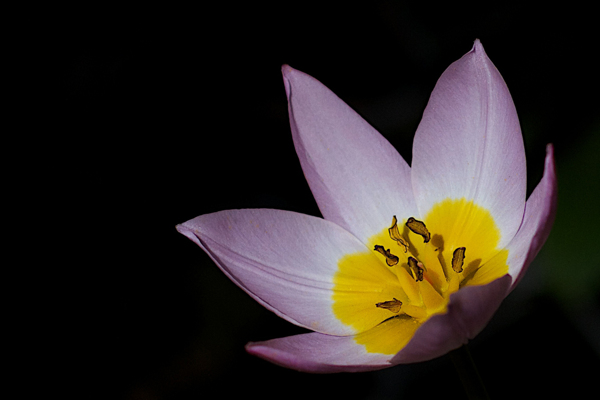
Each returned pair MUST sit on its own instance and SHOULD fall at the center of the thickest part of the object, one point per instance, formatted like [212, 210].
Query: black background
[156, 114]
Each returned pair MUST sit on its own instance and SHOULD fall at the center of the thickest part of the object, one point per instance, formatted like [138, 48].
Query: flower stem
[468, 374]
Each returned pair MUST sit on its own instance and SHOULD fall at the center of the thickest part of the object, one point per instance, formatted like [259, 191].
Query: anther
[390, 259]
[416, 268]
[419, 228]
[395, 234]
[392, 305]
[458, 259]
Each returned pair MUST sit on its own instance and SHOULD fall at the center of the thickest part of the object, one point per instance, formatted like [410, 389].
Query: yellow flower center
[387, 293]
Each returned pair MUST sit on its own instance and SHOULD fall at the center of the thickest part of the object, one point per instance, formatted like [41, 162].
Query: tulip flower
[408, 262]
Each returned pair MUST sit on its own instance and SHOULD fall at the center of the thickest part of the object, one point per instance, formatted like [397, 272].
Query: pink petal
[469, 144]
[540, 211]
[284, 260]
[358, 179]
[469, 311]
[315, 352]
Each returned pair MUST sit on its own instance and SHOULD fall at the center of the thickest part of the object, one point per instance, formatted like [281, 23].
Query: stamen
[392, 305]
[395, 234]
[419, 228]
[390, 259]
[458, 259]
[416, 267]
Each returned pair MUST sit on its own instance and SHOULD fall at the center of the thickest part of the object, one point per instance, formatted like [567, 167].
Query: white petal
[469, 144]
[284, 260]
[357, 177]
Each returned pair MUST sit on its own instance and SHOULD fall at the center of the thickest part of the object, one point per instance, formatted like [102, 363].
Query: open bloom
[408, 262]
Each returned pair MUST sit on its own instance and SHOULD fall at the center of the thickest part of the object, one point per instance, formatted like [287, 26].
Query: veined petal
[469, 311]
[315, 352]
[284, 260]
[469, 144]
[357, 177]
[540, 211]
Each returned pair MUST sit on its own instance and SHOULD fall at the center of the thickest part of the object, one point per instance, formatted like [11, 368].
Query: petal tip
[188, 232]
[250, 348]
[183, 228]
[287, 72]
[278, 357]
[549, 164]
[259, 350]
[478, 49]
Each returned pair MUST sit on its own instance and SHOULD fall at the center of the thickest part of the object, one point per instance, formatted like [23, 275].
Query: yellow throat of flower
[387, 293]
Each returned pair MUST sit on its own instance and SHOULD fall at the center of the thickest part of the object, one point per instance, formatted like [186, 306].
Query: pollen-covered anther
[392, 305]
[390, 259]
[395, 235]
[419, 228]
[416, 268]
[458, 259]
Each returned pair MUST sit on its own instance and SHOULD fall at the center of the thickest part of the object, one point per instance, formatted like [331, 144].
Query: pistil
[423, 296]
[416, 268]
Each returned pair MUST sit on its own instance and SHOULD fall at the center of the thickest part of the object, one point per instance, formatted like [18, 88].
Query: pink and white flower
[409, 262]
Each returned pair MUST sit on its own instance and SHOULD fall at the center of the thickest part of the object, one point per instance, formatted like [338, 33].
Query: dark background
[158, 114]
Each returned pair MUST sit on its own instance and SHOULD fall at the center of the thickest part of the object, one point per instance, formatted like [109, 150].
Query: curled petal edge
[540, 211]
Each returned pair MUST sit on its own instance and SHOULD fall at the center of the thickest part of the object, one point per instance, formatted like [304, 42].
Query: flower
[408, 262]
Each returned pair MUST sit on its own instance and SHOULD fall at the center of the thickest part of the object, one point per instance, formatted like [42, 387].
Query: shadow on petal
[469, 311]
